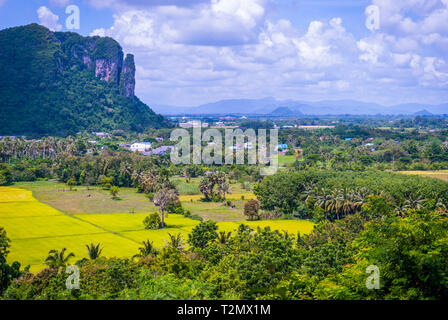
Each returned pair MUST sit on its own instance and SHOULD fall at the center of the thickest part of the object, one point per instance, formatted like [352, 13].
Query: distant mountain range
[282, 108]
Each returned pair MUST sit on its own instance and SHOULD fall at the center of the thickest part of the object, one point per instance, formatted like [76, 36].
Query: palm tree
[57, 259]
[223, 189]
[223, 237]
[93, 251]
[414, 202]
[147, 250]
[126, 171]
[400, 209]
[175, 241]
[309, 193]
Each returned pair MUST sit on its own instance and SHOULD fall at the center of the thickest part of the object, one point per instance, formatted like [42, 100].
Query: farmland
[439, 174]
[35, 228]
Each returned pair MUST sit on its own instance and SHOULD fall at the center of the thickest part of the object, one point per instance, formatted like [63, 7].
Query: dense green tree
[203, 234]
[251, 209]
[152, 221]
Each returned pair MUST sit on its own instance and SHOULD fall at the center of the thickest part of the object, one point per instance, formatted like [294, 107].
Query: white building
[193, 124]
[141, 146]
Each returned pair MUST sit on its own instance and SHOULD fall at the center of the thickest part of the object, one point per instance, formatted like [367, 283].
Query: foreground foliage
[411, 253]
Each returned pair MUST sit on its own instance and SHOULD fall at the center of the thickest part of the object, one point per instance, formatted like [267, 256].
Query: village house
[193, 124]
[141, 146]
[163, 150]
[101, 134]
[283, 147]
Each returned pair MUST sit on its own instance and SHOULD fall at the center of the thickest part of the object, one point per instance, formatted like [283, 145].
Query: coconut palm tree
[175, 241]
[163, 198]
[414, 202]
[223, 237]
[93, 251]
[147, 250]
[223, 189]
[57, 258]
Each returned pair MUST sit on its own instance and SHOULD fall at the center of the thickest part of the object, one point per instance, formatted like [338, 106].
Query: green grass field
[84, 201]
[35, 227]
[286, 161]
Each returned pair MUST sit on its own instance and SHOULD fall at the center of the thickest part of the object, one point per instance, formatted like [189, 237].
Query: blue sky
[190, 52]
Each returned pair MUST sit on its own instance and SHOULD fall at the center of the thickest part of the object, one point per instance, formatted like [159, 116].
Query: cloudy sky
[190, 52]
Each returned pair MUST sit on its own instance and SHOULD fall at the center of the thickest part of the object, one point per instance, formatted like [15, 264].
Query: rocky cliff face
[127, 80]
[108, 70]
[104, 56]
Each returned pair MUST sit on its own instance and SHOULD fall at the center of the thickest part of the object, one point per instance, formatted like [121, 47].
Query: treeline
[325, 194]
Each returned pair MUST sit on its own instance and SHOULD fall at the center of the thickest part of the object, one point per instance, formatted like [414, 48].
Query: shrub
[196, 217]
[152, 221]
[187, 213]
[106, 183]
[203, 234]
[114, 190]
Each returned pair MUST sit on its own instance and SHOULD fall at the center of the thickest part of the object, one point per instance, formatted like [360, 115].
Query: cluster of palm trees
[417, 202]
[152, 180]
[340, 202]
[58, 258]
[45, 148]
[336, 202]
[208, 183]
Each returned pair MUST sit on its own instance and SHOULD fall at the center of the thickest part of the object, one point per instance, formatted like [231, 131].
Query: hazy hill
[62, 83]
[270, 106]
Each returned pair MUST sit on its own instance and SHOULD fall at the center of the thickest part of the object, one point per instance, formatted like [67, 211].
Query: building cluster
[193, 124]
[146, 148]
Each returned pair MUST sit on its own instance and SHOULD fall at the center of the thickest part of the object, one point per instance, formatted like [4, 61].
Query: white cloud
[203, 51]
[48, 19]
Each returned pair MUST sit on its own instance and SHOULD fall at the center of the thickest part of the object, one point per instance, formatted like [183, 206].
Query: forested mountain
[60, 83]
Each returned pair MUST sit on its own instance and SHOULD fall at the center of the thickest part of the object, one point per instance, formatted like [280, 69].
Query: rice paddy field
[439, 174]
[41, 216]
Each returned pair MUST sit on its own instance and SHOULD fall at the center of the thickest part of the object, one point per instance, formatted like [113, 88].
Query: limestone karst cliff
[127, 80]
[61, 83]
[104, 56]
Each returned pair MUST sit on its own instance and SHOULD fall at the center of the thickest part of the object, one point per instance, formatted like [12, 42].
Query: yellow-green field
[440, 174]
[286, 161]
[35, 228]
